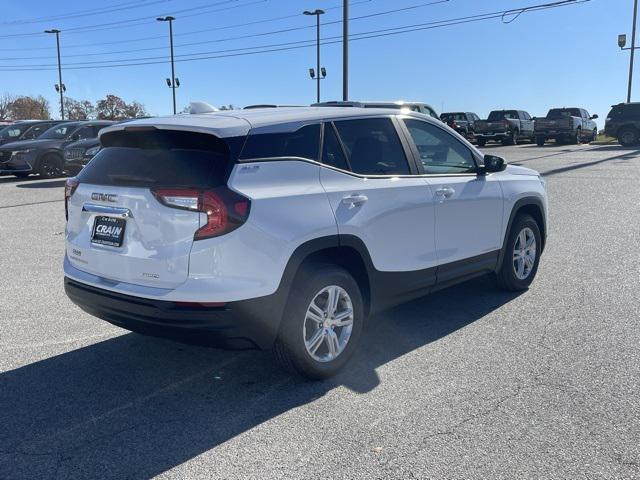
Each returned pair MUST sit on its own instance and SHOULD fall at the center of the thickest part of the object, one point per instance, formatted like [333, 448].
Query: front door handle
[445, 192]
[354, 200]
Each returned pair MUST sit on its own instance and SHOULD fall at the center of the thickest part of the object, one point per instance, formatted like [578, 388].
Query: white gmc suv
[286, 228]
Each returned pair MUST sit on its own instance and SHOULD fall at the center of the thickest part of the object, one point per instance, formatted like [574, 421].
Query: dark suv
[44, 155]
[623, 123]
[462, 122]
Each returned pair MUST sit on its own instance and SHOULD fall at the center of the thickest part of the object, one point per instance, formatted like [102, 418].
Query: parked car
[571, 125]
[397, 105]
[78, 154]
[462, 122]
[44, 155]
[287, 229]
[506, 126]
[623, 123]
[25, 130]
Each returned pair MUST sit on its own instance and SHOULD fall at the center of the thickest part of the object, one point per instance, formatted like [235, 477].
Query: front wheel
[481, 142]
[594, 135]
[50, 167]
[522, 254]
[322, 322]
[628, 136]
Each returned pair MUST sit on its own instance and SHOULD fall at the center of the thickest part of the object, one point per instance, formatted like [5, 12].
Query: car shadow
[47, 184]
[135, 406]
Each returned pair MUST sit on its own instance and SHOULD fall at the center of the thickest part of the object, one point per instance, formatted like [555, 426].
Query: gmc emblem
[104, 197]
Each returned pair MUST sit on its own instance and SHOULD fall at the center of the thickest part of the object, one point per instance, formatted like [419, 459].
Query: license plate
[108, 231]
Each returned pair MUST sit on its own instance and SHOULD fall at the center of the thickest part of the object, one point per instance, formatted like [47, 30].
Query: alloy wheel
[524, 253]
[328, 324]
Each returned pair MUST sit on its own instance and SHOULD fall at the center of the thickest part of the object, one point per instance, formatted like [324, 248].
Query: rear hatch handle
[105, 209]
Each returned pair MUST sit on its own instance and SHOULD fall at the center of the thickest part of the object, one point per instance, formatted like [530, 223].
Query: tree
[228, 107]
[113, 107]
[26, 107]
[5, 106]
[135, 110]
[78, 109]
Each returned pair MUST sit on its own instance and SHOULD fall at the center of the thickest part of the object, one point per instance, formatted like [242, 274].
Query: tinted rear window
[304, 143]
[564, 112]
[502, 114]
[151, 159]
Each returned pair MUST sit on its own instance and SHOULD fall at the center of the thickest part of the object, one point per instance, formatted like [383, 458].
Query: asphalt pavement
[469, 382]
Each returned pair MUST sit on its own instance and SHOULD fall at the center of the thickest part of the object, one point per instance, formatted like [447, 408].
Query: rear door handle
[445, 192]
[354, 200]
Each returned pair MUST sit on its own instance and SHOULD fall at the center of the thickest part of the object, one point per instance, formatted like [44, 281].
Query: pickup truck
[568, 125]
[506, 126]
[462, 122]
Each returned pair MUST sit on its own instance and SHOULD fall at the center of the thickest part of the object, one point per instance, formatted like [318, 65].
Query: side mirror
[74, 138]
[593, 117]
[493, 163]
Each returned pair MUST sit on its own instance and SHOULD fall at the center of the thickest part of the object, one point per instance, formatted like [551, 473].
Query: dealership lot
[470, 382]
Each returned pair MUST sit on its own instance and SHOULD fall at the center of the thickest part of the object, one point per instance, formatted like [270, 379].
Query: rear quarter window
[303, 143]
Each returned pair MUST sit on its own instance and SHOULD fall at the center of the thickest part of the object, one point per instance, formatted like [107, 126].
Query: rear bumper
[555, 132]
[493, 135]
[246, 324]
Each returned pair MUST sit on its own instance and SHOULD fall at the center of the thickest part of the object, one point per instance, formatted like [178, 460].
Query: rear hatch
[135, 210]
[486, 126]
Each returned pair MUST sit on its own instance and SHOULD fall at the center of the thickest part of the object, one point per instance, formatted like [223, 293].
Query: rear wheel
[322, 322]
[512, 139]
[481, 142]
[50, 167]
[628, 136]
[540, 141]
[577, 139]
[522, 254]
[21, 175]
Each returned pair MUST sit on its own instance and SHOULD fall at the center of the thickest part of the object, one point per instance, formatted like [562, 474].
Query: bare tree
[6, 100]
[78, 109]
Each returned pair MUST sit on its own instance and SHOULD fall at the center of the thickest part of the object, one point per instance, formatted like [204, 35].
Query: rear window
[447, 117]
[502, 114]
[303, 143]
[564, 113]
[159, 158]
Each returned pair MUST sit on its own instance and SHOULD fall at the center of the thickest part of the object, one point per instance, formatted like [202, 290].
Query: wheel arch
[528, 206]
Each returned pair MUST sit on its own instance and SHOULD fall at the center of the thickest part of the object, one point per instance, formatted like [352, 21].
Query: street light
[345, 50]
[317, 13]
[622, 42]
[172, 82]
[60, 86]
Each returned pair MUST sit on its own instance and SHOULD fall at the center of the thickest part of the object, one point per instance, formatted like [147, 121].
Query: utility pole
[60, 87]
[174, 83]
[633, 48]
[318, 75]
[345, 50]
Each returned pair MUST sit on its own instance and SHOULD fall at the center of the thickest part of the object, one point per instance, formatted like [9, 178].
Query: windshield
[13, 131]
[59, 132]
[502, 114]
[563, 113]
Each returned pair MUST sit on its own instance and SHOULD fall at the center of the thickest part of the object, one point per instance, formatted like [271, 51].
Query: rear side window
[158, 158]
[304, 143]
[373, 147]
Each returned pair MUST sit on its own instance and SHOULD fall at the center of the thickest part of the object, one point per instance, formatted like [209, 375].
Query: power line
[327, 41]
[193, 32]
[86, 13]
[204, 42]
[134, 21]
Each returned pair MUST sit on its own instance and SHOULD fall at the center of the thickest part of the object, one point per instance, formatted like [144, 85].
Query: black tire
[22, 174]
[50, 166]
[512, 139]
[628, 136]
[506, 276]
[290, 350]
[540, 141]
[594, 135]
[577, 139]
[481, 142]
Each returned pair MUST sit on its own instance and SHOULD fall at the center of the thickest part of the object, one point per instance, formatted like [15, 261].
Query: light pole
[60, 86]
[345, 50]
[173, 82]
[317, 13]
[633, 48]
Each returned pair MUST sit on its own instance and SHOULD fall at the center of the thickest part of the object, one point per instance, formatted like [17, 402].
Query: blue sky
[557, 57]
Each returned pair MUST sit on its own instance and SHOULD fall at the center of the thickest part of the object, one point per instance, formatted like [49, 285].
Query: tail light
[225, 210]
[70, 187]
